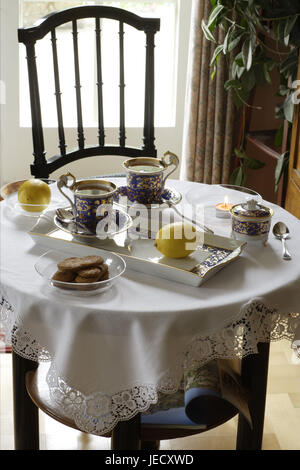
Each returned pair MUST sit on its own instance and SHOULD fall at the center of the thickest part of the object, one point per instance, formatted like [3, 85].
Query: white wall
[16, 142]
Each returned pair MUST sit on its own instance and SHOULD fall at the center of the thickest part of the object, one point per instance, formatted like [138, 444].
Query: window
[165, 70]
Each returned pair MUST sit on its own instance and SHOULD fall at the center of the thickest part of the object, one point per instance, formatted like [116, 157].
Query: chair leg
[150, 445]
[26, 419]
[254, 377]
[126, 435]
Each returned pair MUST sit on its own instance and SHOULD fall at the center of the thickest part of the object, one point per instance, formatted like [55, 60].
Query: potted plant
[247, 24]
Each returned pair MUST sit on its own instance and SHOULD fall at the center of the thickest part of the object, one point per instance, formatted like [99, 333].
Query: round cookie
[83, 280]
[78, 264]
[64, 276]
[89, 273]
[104, 271]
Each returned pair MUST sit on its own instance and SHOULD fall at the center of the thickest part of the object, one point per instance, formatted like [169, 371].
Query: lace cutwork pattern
[98, 413]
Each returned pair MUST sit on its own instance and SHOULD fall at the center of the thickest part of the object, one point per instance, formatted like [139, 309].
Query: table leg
[254, 377]
[126, 435]
[26, 420]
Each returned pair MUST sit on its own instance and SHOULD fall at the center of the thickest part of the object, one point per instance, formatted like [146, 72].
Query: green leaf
[234, 40]
[214, 14]
[279, 136]
[227, 38]
[232, 84]
[254, 164]
[218, 50]
[290, 23]
[236, 177]
[266, 73]
[250, 162]
[248, 80]
[288, 109]
[247, 54]
[239, 59]
[240, 153]
[207, 33]
[281, 166]
[212, 76]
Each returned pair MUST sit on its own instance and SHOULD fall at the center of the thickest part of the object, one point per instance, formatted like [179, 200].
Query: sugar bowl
[251, 221]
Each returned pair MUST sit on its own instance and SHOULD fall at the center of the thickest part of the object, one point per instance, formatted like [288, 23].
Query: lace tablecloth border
[98, 413]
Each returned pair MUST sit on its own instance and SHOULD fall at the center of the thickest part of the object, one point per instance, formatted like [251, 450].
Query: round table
[111, 354]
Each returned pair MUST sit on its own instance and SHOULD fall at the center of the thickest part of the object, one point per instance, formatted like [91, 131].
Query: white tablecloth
[111, 354]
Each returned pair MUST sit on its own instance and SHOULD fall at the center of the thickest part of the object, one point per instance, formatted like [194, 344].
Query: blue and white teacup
[146, 177]
[89, 195]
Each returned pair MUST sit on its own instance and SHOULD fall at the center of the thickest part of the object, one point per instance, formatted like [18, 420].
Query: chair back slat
[39, 153]
[122, 135]
[101, 134]
[80, 132]
[149, 93]
[61, 132]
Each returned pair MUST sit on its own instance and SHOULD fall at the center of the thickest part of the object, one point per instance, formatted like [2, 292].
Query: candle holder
[223, 209]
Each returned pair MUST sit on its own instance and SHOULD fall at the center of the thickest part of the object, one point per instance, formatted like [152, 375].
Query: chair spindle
[122, 136]
[101, 135]
[80, 133]
[39, 153]
[148, 138]
[61, 133]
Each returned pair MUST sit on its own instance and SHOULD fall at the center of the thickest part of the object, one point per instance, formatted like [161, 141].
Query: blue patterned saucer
[116, 221]
[169, 196]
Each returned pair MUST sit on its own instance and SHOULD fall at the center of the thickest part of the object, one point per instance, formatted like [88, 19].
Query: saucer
[117, 221]
[169, 196]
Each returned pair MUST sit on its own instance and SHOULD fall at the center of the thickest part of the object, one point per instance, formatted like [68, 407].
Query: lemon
[176, 240]
[34, 195]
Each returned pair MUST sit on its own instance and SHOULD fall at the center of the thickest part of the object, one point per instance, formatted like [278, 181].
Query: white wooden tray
[141, 255]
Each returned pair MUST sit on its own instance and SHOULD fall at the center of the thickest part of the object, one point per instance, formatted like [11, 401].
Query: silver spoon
[171, 206]
[281, 232]
[67, 217]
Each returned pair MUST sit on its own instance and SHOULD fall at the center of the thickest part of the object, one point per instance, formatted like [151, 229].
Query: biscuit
[78, 264]
[105, 277]
[82, 280]
[89, 272]
[64, 276]
[104, 270]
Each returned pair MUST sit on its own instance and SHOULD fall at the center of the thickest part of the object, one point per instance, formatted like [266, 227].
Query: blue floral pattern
[86, 208]
[218, 255]
[144, 189]
[251, 228]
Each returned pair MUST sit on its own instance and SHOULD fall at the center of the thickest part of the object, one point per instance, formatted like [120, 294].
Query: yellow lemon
[176, 240]
[32, 193]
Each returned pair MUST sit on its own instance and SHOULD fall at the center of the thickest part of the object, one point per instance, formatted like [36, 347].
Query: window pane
[134, 51]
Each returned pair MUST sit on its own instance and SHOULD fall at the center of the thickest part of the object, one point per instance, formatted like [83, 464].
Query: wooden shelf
[264, 141]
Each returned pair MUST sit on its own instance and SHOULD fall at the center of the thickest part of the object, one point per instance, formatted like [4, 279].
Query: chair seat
[166, 424]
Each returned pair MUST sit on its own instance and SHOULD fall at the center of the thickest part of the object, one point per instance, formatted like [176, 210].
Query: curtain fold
[210, 111]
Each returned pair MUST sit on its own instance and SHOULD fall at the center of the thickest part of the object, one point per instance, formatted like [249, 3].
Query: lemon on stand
[176, 240]
[34, 195]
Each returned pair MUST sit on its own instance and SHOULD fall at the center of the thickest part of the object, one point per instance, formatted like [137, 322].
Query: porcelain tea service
[92, 199]
[146, 177]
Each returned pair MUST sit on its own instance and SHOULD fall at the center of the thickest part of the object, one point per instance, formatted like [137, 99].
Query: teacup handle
[63, 182]
[170, 159]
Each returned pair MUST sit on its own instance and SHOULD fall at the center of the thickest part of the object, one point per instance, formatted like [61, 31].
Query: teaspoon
[281, 232]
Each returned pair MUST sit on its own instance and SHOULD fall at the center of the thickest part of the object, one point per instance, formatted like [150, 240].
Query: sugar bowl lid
[251, 209]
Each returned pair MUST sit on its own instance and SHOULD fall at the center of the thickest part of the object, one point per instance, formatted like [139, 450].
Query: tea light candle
[222, 209]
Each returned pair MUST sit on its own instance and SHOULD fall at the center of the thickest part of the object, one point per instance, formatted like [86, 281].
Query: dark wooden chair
[42, 167]
[168, 424]
[31, 393]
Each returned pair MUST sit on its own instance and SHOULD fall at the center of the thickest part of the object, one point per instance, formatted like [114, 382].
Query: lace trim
[98, 413]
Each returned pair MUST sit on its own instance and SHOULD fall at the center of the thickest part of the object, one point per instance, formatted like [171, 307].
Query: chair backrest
[41, 166]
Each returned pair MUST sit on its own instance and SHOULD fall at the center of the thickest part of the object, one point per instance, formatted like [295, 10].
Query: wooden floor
[282, 422]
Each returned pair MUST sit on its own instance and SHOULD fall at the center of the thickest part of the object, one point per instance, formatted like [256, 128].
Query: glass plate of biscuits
[83, 276]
